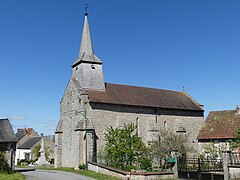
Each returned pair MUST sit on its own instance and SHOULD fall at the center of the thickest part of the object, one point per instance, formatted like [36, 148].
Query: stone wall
[69, 143]
[234, 172]
[149, 121]
[89, 75]
[133, 175]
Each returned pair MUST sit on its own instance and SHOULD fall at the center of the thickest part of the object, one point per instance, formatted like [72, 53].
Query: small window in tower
[92, 66]
[76, 68]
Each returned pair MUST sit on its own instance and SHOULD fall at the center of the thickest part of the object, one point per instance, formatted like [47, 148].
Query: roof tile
[142, 96]
[220, 125]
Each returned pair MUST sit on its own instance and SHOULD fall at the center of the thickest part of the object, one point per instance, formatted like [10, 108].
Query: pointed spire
[86, 43]
[86, 53]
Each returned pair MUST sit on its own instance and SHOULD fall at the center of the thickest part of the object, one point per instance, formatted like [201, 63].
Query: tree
[125, 149]
[167, 143]
[48, 153]
[236, 140]
[35, 151]
[211, 152]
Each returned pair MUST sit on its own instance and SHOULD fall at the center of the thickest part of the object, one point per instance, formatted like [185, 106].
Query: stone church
[89, 106]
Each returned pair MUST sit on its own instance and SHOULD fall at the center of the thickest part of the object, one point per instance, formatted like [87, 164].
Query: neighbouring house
[23, 134]
[89, 106]
[25, 151]
[219, 128]
[8, 141]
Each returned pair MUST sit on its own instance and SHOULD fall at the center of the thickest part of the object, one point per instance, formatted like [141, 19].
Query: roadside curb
[24, 169]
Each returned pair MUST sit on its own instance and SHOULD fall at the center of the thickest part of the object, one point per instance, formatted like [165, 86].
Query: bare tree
[167, 143]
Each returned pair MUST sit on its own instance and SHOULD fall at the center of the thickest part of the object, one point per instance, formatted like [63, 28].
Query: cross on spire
[86, 10]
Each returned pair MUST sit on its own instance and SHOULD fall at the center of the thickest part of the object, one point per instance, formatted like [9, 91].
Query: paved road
[53, 175]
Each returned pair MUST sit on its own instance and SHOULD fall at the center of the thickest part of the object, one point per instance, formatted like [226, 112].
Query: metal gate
[197, 168]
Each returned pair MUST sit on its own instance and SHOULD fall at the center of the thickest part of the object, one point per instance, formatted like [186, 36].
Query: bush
[130, 168]
[145, 163]
[22, 162]
[82, 166]
[3, 162]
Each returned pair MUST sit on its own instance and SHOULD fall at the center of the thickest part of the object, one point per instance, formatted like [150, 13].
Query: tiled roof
[145, 97]
[220, 125]
[6, 131]
[30, 143]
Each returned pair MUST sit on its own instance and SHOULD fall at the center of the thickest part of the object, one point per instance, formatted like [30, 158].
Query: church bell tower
[87, 69]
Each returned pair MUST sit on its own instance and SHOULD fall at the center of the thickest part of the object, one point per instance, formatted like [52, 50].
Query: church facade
[89, 106]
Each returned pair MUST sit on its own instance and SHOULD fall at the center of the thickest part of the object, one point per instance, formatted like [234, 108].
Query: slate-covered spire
[86, 53]
[87, 69]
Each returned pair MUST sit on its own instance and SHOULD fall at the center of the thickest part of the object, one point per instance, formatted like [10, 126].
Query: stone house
[219, 128]
[8, 141]
[25, 150]
[89, 106]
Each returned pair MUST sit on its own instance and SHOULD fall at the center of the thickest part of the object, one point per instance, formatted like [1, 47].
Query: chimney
[29, 131]
[24, 131]
[237, 110]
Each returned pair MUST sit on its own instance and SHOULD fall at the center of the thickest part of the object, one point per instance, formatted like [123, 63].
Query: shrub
[82, 166]
[22, 162]
[130, 168]
[3, 162]
[145, 163]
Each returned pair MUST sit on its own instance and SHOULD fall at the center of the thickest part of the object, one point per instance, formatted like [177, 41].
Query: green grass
[12, 176]
[92, 174]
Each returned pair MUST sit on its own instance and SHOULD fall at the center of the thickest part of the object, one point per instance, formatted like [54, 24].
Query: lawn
[12, 176]
[92, 174]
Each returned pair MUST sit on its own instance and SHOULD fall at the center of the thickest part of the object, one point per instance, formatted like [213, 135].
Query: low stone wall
[234, 171]
[123, 174]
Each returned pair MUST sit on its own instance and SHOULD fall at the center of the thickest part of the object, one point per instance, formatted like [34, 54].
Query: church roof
[220, 125]
[6, 131]
[86, 53]
[145, 97]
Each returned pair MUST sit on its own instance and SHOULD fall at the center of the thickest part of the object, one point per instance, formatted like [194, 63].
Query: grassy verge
[12, 176]
[92, 174]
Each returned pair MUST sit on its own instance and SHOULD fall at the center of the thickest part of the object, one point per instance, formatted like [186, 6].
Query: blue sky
[164, 44]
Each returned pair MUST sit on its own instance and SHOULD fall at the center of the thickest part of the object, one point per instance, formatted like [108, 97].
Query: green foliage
[236, 141]
[145, 163]
[3, 162]
[169, 141]
[130, 167]
[35, 152]
[210, 152]
[22, 162]
[82, 166]
[209, 157]
[125, 149]
[48, 153]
